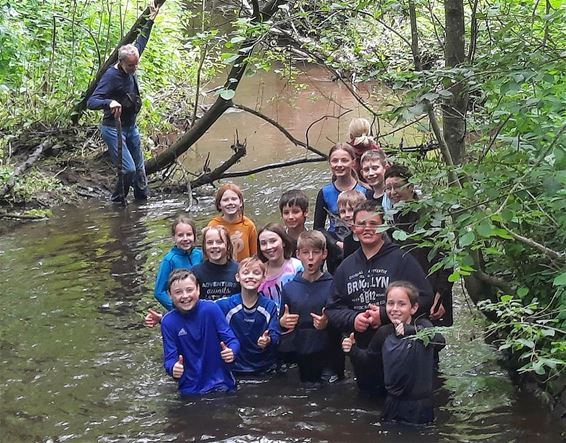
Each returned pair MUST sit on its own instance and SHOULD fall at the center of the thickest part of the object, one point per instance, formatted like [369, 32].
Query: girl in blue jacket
[183, 255]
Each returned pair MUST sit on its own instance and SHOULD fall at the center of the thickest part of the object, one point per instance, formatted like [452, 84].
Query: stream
[76, 363]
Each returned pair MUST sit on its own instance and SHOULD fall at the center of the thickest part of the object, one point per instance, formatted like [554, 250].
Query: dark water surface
[76, 363]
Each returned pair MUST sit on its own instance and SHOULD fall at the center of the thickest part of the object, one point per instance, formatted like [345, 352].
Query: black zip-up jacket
[359, 282]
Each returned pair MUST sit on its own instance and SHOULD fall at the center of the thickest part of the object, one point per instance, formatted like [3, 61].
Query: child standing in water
[243, 235]
[254, 320]
[342, 162]
[197, 341]
[217, 274]
[275, 250]
[407, 363]
[183, 255]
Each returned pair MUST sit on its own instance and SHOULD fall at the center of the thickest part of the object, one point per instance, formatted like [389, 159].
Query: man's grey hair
[126, 51]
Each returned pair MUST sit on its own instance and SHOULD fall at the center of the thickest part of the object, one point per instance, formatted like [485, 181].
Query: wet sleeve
[170, 351]
[224, 330]
[273, 326]
[99, 99]
[160, 291]
[143, 36]
[319, 220]
[339, 309]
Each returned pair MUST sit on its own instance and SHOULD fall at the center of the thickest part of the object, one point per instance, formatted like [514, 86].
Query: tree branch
[272, 166]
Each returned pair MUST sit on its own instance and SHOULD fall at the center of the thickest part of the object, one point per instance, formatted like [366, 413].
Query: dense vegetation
[495, 196]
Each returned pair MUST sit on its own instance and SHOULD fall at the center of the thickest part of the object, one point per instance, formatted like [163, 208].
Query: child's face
[398, 189]
[185, 294]
[346, 213]
[215, 247]
[184, 237]
[311, 258]
[293, 216]
[271, 246]
[398, 306]
[230, 203]
[372, 171]
[367, 228]
[341, 163]
[251, 277]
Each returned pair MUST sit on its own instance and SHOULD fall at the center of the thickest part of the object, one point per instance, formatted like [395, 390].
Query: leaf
[467, 239]
[560, 280]
[400, 235]
[484, 228]
[521, 292]
[455, 276]
[227, 94]
[528, 343]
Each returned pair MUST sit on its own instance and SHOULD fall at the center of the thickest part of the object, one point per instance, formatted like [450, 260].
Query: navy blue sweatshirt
[359, 281]
[115, 84]
[305, 297]
[216, 281]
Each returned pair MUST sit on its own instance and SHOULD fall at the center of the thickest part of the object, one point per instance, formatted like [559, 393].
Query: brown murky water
[76, 364]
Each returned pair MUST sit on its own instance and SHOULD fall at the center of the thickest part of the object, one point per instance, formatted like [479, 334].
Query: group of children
[250, 303]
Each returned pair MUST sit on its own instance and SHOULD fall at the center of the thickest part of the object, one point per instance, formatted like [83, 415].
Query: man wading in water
[117, 93]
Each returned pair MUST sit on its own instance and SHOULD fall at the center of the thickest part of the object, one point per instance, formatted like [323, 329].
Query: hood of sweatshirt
[299, 278]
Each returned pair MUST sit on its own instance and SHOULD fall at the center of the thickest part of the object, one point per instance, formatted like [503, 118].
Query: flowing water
[76, 364]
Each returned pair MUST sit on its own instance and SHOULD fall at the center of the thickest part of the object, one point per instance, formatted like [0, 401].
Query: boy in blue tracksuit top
[197, 341]
[303, 315]
[253, 319]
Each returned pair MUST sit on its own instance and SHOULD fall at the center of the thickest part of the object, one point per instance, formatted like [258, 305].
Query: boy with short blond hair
[347, 203]
[254, 320]
[303, 314]
[197, 341]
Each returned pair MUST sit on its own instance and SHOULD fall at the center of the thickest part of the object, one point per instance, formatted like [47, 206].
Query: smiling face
[250, 276]
[341, 163]
[398, 305]
[346, 213]
[216, 247]
[271, 246]
[184, 236]
[184, 293]
[367, 228]
[312, 259]
[230, 204]
[397, 189]
[372, 171]
[293, 216]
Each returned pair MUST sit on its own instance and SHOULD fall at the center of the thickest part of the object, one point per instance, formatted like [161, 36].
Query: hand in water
[226, 353]
[320, 321]
[179, 367]
[348, 342]
[288, 321]
[264, 340]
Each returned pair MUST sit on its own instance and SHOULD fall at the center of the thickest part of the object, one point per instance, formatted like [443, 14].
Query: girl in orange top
[243, 235]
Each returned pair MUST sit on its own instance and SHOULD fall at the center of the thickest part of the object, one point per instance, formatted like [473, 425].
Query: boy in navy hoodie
[303, 315]
[358, 295]
[253, 319]
[197, 341]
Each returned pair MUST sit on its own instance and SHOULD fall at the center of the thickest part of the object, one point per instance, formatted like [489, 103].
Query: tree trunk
[454, 108]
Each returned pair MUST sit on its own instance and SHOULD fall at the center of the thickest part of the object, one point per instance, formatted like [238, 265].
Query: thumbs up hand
[264, 340]
[288, 321]
[348, 342]
[152, 318]
[399, 327]
[320, 321]
[179, 367]
[226, 353]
